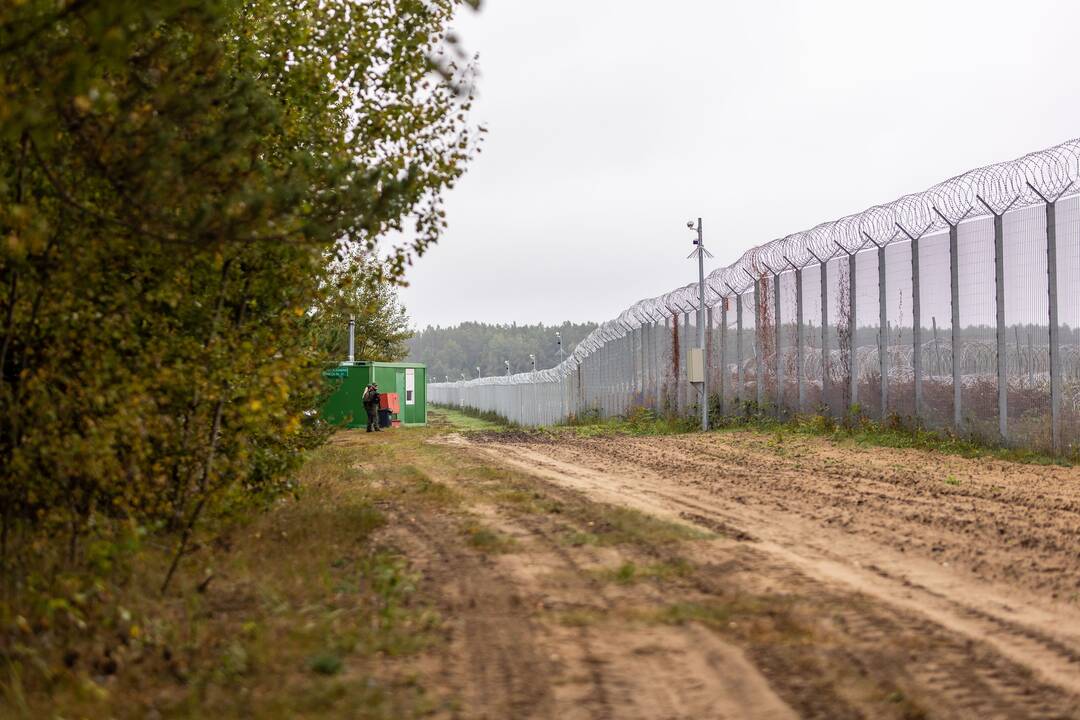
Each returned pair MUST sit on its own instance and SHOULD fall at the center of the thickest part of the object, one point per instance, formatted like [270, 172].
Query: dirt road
[955, 581]
[464, 571]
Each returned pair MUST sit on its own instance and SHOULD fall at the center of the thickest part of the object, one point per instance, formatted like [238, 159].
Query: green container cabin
[345, 406]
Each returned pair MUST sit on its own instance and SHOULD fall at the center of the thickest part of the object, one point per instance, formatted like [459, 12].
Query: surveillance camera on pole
[558, 341]
[507, 363]
[532, 359]
[477, 373]
[697, 365]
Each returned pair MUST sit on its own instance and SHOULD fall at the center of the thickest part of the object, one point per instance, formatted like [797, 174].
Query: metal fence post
[779, 373]
[758, 355]
[644, 339]
[645, 363]
[654, 364]
[999, 300]
[1052, 315]
[1002, 356]
[1055, 347]
[626, 381]
[709, 358]
[579, 398]
[883, 334]
[739, 348]
[916, 326]
[647, 357]
[824, 332]
[663, 366]
[723, 353]
[640, 353]
[916, 315]
[564, 390]
[667, 363]
[954, 287]
[800, 340]
[597, 374]
[671, 326]
[853, 364]
[685, 345]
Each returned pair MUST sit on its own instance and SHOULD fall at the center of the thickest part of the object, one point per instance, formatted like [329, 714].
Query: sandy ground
[528, 639]
[954, 580]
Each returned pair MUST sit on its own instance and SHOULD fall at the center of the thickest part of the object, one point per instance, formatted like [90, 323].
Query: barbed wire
[1030, 180]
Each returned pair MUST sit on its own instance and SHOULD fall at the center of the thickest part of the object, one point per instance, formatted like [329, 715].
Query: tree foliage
[356, 290]
[173, 175]
[456, 351]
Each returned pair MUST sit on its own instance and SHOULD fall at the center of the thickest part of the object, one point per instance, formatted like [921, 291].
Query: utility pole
[701, 252]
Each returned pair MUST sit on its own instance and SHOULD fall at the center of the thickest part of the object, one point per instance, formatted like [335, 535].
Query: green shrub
[326, 663]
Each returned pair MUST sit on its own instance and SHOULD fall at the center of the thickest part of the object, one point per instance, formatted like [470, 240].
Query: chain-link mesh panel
[1027, 330]
[899, 331]
[935, 301]
[976, 350]
[837, 337]
[788, 343]
[713, 364]
[748, 349]
[867, 326]
[670, 364]
[1068, 299]
[687, 395]
[765, 340]
[731, 363]
[812, 357]
[656, 371]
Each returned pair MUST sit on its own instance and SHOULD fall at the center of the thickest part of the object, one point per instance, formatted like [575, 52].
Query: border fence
[957, 308]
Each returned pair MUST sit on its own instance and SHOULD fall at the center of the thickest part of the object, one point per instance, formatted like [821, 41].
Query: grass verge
[858, 430]
[892, 434]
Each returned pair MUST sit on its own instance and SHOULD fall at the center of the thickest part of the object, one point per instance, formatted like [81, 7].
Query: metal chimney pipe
[352, 339]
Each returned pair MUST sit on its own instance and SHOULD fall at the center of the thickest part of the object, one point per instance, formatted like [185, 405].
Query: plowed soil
[954, 582]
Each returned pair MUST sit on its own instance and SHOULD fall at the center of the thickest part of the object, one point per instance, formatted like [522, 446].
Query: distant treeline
[453, 351]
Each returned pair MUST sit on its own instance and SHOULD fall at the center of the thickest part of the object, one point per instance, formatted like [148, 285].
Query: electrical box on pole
[696, 369]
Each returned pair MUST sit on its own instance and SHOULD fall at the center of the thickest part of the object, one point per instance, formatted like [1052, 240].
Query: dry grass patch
[296, 611]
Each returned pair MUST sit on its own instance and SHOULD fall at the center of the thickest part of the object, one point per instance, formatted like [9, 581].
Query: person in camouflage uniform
[371, 406]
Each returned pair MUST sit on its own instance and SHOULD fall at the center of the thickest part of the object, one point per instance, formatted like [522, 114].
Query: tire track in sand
[1027, 659]
[510, 655]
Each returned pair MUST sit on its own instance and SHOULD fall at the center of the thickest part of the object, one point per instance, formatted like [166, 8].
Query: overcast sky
[611, 122]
